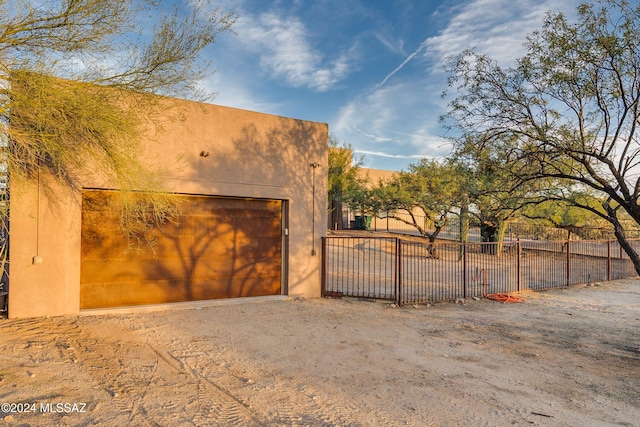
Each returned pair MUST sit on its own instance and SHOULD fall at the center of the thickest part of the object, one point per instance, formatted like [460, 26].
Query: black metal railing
[410, 271]
[4, 267]
[399, 222]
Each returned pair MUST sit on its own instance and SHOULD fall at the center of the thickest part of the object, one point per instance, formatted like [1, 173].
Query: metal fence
[385, 221]
[4, 267]
[410, 271]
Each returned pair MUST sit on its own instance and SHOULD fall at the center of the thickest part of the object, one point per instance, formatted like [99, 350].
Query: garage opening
[220, 248]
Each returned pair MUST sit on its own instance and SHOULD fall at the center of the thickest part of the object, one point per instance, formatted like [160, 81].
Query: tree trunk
[432, 245]
[336, 214]
[432, 239]
[488, 235]
[502, 229]
[618, 230]
[464, 229]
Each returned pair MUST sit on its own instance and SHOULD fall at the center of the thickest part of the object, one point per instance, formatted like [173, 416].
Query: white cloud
[369, 116]
[497, 28]
[391, 44]
[395, 120]
[399, 117]
[284, 49]
[394, 125]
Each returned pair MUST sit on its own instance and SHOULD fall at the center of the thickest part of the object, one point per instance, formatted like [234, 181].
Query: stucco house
[343, 217]
[251, 188]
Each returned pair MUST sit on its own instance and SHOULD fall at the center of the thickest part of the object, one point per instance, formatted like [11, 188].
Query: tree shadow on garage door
[219, 248]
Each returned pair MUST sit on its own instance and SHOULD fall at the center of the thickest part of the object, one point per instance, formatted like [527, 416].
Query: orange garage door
[220, 248]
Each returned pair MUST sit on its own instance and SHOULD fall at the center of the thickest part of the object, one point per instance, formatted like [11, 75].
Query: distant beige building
[344, 218]
[375, 176]
[381, 221]
[252, 192]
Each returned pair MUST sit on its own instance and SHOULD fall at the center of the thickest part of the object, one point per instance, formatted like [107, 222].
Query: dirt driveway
[568, 357]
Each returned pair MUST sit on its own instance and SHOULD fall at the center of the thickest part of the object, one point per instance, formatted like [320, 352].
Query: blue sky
[371, 69]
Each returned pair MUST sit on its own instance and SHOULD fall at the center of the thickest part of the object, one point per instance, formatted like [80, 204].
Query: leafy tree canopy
[431, 189]
[565, 116]
[75, 77]
[342, 172]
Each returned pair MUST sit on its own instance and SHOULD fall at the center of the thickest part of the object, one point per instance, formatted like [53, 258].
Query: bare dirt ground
[566, 357]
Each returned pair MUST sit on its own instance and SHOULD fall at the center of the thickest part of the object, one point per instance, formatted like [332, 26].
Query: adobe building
[251, 189]
[343, 217]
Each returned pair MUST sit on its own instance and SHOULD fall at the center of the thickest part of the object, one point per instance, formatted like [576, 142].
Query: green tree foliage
[75, 79]
[565, 117]
[343, 172]
[493, 203]
[564, 215]
[427, 195]
[364, 198]
[344, 183]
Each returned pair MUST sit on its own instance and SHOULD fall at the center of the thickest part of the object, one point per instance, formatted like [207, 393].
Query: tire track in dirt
[332, 363]
[124, 370]
[216, 403]
[231, 388]
[26, 351]
[217, 406]
[26, 335]
[125, 376]
[513, 396]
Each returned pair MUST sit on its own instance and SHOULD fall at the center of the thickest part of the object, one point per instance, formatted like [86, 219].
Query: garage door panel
[167, 269]
[158, 292]
[98, 247]
[183, 227]
[204, 250]
[221, 248]
[218, 270]
[100, 295]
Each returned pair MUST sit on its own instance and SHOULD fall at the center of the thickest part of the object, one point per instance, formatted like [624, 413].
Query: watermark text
[55, 407]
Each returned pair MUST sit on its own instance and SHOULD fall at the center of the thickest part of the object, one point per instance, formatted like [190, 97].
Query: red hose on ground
[504, 298]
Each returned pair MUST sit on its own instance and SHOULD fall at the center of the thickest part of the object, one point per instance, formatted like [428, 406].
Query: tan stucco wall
[249, 155]
[374, 176]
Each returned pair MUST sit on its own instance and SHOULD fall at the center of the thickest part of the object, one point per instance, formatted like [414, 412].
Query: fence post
[620, 251]
[464, 269]
[608, 260]
[518, 265]
[398, 272]
[568, 260]
[323, 280]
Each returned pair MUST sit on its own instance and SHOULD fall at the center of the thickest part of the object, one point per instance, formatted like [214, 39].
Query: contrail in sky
[399, 67]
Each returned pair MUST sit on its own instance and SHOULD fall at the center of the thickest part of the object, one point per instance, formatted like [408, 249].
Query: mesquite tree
[564, 119]
[424, 197]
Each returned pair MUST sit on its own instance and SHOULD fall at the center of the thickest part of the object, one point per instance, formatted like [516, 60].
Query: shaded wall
[248, 155]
